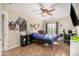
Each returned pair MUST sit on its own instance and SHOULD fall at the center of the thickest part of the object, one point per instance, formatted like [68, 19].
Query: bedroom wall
[64, 23]
[77, 27]
[14, 36]
[4, 9]
[33, 21]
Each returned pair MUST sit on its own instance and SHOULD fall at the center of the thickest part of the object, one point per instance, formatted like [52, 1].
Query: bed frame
[46, 41]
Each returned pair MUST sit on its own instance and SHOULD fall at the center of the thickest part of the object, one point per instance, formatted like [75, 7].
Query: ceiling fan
[45, 11]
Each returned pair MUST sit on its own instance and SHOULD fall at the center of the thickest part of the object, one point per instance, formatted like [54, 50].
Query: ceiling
[33, 10]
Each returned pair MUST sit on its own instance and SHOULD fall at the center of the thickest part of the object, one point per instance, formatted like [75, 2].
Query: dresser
[25, 40]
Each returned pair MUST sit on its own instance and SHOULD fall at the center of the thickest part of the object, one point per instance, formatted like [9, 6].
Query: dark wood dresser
[25, 40]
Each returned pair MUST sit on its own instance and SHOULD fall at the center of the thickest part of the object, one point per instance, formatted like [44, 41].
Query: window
[52, 28]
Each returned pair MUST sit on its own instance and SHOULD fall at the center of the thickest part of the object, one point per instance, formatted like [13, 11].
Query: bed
[50, 39]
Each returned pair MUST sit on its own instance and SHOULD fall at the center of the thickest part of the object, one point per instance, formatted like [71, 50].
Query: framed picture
[22, 24]
[12, 25]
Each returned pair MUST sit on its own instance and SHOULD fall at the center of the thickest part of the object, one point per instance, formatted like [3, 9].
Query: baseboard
[13, 46]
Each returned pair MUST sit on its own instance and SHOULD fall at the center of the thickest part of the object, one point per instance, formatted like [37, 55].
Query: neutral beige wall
[77, 28]
[0, 7]
[14, 36]
[33, 21]
[65, 22]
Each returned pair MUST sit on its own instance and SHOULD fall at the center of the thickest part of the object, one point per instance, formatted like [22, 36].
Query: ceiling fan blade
[41, 5]
[42, 9]
[51, 10]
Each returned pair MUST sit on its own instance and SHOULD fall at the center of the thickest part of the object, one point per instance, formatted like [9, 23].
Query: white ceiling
[33, 10]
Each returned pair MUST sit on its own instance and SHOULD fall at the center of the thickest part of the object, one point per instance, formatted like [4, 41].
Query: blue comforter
[52, 37]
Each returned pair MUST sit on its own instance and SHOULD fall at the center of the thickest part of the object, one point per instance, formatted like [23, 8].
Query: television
[73, 16]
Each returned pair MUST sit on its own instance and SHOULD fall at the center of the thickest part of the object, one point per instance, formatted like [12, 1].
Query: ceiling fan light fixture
[45, 14]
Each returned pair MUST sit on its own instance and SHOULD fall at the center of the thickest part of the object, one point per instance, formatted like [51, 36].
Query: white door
[0, 35]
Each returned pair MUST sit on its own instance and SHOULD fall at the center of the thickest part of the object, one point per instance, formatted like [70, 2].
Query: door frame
[0, 34]
[4, 16]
